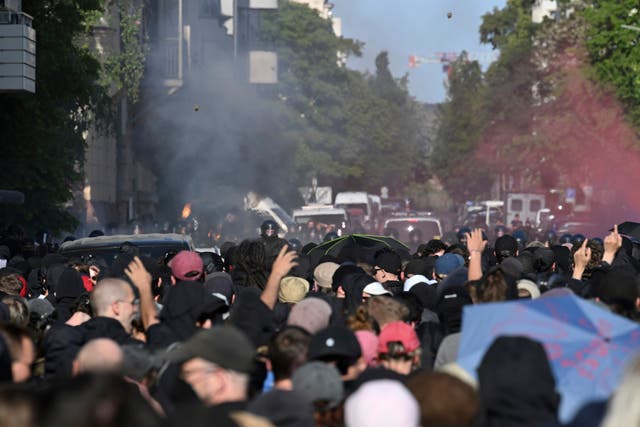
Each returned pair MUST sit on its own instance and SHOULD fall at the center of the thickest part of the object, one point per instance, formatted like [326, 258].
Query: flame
[186, 211]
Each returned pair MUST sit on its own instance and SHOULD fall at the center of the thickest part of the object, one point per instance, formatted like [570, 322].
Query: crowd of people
[269, 333]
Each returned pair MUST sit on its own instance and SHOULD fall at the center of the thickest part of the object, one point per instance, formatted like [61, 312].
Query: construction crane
[446, 58]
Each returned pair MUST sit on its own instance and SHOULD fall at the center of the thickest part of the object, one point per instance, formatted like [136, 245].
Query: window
[209, 9]
[535, 205]
[516, 205]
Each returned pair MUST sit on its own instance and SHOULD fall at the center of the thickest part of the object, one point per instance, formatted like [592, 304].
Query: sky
[414, 27]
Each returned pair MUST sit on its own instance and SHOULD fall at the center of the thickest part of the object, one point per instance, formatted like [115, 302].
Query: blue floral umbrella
[588, 346]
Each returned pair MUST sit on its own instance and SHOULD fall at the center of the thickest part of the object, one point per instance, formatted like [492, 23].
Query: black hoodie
[516, 385]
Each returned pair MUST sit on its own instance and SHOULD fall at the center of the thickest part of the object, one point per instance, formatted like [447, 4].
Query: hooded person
[429, 329]
[618, 290]
[341, 274]
[53, 274]
[516, 385]
[449, 308]
[35, 277]
[388, 270]
[187, 307]
[426, 294]
[343, 284]
[220, 284]
[70, 287]
[353, 287]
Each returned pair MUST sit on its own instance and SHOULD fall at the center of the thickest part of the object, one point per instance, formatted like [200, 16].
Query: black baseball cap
[226, 346]
[334, 342]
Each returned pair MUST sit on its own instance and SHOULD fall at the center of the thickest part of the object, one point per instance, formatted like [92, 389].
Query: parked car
[155, 246]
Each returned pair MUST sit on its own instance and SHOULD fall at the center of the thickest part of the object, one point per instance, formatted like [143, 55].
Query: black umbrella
[363, 246]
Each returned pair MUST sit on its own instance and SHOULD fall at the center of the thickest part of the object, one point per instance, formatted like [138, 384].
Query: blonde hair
[384, 309]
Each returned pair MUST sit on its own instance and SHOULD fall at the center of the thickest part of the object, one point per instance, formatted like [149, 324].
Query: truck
[525, 205]
[326, 217]
[361, 207]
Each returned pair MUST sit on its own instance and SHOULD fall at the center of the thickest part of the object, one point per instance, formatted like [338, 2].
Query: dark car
[155, 246]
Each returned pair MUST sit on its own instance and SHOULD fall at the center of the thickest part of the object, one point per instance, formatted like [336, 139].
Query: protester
[444, 400]
[399, 348]
[321, 386]
[394, 406]
[101, 355]
[516, 385]
[283, 338]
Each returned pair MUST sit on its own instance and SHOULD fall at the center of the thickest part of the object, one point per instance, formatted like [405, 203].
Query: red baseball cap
[398, 332]
[186, 265]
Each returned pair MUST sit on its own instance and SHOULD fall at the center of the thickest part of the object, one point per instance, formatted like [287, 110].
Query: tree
[613, 49]
[43, 145]
[462, 121]
[350, 130]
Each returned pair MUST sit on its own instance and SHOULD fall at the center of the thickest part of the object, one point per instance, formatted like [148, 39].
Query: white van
[327, 215]
[525, 205]
[358, 204]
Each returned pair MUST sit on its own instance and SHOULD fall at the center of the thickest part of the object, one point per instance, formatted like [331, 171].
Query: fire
[186, 211]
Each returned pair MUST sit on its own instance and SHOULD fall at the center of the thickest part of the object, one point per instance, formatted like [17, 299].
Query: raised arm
[284, 262]
[475, 245]
[141, 279]
[612, 243]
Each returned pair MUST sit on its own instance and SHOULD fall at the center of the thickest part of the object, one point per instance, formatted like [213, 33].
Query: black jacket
[60, 346]
[106, 327]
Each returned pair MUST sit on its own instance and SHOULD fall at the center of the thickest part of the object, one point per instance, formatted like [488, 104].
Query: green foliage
[495, 105]
[350, 130]
[43, 147]
[462, 121]
[614, 50]
[125, 70]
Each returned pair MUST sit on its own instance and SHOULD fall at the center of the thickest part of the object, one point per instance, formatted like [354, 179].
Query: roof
[318, 210]
[118, 239]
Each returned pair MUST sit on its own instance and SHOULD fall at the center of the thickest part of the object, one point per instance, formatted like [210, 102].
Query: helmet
[578, 239]
[212, 262]
[295, 245]
[520, 236]
[269, 228]
[550, 236]
[462, 238]
[565, 238]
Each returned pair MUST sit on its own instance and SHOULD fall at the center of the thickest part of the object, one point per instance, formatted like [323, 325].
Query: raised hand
[612, 243]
